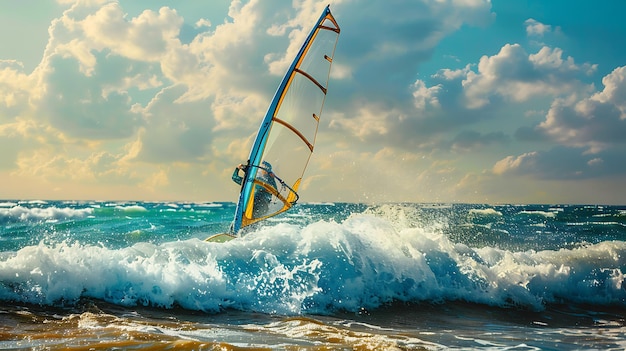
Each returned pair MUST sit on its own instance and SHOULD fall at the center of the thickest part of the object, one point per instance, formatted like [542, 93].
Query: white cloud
[146, 37]
[76, 104]
[450, 74]
[614, 90]
[385, 52]
[516, 75]
[563, 163]
[461, 97]
[174, 131]
[123, 99]
[595, 161]
[203, 23]
[371, 121]
[424, 96]
[15, 86]
[551, 62]
[594, 122]
[534, 27]
[587, 137]
[511, 164]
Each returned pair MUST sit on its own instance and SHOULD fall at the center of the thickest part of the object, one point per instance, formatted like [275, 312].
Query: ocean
[85, 275]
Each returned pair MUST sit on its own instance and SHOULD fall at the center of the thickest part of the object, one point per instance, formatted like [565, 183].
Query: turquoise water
[332, 275]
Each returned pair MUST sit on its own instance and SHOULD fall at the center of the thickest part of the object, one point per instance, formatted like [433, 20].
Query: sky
[467, 101]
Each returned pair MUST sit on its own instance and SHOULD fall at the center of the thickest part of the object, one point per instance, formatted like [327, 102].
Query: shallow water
[98, 325]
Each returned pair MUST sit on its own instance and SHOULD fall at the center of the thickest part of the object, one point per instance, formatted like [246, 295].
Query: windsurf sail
[286, 138]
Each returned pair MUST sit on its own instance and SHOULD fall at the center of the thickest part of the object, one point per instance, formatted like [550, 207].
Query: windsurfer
[262, 195]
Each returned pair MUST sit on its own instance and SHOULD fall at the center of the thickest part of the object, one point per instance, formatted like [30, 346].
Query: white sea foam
[485, 212]
[20, 213]
[212, 204]
[547, 214]
[36, 202]
[131, 208]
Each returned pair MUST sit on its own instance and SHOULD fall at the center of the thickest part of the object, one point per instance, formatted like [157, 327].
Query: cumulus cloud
[174, 131]
[203, 23]
[516, 164]
[534, 27]
[12, 143]
[381, 62]
[514, 74]
[129, 85]
[76, 103]
[561, 162]
[372, 121]
[391, 60]
[461, 97]
[594, 122]
[15, 88]
[146, 37]
[157, 100]
[614, 90]
[588, 134]
[424, 96]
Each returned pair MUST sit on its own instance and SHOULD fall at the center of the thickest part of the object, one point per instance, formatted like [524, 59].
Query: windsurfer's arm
[236, 177]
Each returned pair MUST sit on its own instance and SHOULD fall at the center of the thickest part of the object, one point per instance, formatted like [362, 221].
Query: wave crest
[366, 261]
